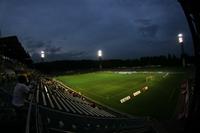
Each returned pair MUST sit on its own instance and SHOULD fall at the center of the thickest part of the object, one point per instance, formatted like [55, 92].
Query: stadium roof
[12, 48]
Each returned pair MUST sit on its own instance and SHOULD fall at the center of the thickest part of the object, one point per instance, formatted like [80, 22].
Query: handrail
[87, 116]
[39, 128]
[27, 130]
[36, 117]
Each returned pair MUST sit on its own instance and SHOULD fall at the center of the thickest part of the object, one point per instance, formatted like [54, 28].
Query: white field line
[165, 75]
[158, 72]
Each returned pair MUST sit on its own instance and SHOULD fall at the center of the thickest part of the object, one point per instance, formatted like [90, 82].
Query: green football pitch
[107, 88]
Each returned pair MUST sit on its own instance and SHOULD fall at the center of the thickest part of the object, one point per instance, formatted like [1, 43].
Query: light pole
[42, 54]
[180, 41]
[100, 54]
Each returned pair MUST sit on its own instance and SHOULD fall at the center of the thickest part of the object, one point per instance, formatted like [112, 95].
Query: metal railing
[27, 130]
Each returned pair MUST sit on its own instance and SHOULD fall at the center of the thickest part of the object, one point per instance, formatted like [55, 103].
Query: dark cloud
[148, 31]
[122, 28]
[143, 22]
[75, 55]
[35, 44]
[72, 55]
[53, 49]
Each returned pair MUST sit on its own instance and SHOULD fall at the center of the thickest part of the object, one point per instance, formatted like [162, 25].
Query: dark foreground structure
[192, 13]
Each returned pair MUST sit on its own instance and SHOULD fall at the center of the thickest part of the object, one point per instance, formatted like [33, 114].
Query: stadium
[151, 94]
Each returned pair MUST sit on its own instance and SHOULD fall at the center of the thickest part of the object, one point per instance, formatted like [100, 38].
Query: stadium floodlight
[42, 55]
[180, 41]
[99, 53]
[180, 38]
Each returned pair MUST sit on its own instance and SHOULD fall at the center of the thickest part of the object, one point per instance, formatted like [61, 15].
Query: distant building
[12, 48]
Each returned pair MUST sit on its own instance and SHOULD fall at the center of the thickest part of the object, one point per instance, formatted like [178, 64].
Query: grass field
[108, 88]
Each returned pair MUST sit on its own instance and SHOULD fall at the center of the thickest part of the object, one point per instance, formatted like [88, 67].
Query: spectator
[93, 105]
[19, 95]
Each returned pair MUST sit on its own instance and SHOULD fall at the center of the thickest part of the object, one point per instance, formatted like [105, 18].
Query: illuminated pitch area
[145, 93]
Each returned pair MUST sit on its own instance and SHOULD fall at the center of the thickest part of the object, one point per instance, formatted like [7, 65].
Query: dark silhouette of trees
[69, 65]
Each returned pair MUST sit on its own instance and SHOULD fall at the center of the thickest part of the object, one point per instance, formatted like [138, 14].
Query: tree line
[68, 65]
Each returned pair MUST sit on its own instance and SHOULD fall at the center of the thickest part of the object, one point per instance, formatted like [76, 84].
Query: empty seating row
[59, 122]
[55, 97]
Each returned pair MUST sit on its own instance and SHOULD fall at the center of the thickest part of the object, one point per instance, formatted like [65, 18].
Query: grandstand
[11, 47]
[64, 111]
[53, 107]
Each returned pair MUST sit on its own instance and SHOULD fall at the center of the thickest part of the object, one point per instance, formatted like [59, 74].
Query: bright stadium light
[180, 38]
[42, 55]
[180, 41]
[180, 35]
[99, 53]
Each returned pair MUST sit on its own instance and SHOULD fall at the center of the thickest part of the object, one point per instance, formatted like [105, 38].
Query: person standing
[20, 93]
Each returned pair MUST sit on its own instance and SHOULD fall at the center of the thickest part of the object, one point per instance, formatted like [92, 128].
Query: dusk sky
[76, 29]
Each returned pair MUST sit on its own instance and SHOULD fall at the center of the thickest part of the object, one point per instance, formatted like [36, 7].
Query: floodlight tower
[180, 41]
[100, 54]
[42, 54]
